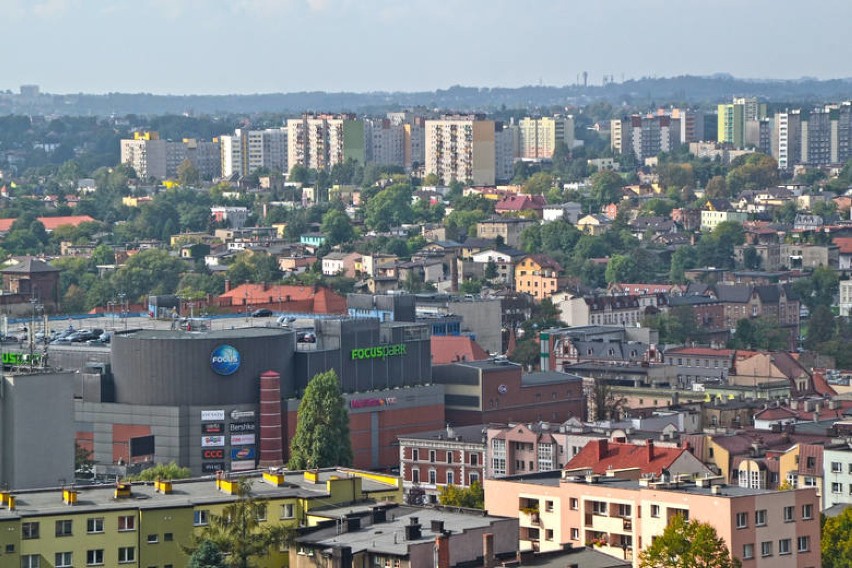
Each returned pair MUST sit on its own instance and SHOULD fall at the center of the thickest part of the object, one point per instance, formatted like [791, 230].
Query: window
[575, 504]
[449, 457]
[742, 520]
[548, 506]
[126, 554]
[29, 531]
[63, 528]
[548, 534]
[415, 455]
[153, 539]
[804, 543]
[655, 511]
[474, 477]
[62, 560]
[127, 523]
[748, 551]
[432, 456]
[807, 511]
[450, 478]
[261, 513]
[474, 459]
[810, 481]
[784, 546]
[31, 561]
[836, 467]
[415, 475]
[836, 487]
[599, 508]
[625, 510]
[95, 525]
[287, 511]
[766, 548]
[168, 537]
[789, 514]
[811, 462]
[199, 518]
[433, 476]
[760, 518]
[94, 557]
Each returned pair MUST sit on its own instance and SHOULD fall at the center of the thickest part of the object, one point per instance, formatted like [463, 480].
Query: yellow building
[537, 275]
[144, 525]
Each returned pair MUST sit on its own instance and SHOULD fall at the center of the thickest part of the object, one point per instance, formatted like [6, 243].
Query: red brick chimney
[602, 447]
[227, 285]
[488, 550]
[442, 551]
[649, 445]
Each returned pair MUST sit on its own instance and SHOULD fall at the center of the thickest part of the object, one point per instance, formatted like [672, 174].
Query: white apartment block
[461, 148]
[539, 137]
[845, 298]
[315, 141]
[247, 151]
[787, 139]
[837, 468]
[385, 143]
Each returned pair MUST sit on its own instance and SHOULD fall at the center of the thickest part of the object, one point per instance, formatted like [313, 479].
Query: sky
[264, 46]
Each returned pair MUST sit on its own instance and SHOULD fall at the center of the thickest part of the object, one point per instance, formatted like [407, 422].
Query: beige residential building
[315, 141]
[246, 151]
[152, 157]
[539, 137]
[462, 148]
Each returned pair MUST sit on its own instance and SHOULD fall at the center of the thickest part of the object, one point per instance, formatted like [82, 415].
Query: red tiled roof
[779, 413]
[709, 352]
[517, 202]
[450, 349]
[51, 223]
[821, 386]
[319, 300]
[603, 455]
[844, 244]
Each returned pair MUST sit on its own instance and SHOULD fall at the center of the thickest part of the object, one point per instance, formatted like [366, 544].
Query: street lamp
[122, 297]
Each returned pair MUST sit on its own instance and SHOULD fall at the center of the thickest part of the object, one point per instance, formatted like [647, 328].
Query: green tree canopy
[237, 532]
[606, 187]
[837, 540]
[322, 431]
[472, 497]
[337, 227]
[207, 555]
[688, 544]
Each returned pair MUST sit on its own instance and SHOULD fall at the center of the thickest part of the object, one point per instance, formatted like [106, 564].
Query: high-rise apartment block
[315, 141]
[247, 151]
[152, 157]
[462, 148]
[732, 118]
[645, 136]
[539, 137]
[787, 138]
[691, 124]
[820, 136]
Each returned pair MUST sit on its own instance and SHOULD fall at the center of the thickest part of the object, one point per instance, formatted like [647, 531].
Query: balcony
[602, 523]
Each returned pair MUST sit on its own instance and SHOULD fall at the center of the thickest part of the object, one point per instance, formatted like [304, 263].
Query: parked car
[261, 313]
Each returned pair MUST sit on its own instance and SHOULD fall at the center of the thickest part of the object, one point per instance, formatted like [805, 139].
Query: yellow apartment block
[145, 524]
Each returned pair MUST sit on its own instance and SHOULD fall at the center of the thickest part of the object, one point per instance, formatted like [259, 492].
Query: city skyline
[265, 46]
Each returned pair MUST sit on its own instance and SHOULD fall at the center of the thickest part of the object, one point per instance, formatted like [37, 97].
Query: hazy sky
[261, 46]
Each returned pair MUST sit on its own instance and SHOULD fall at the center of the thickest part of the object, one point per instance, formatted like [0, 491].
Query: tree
[716, 188]
[538, 184]
[821, 326]
[322, 430]
[238, 534]
[606, 187]
[604, 403]
[688, 544]
[207, 555]
[751, 259]
[753, 171]
[819, 288]
[187, 174]
[472, 497]
[337, 227]
[621, 268]
[167, 471]
[837, 540]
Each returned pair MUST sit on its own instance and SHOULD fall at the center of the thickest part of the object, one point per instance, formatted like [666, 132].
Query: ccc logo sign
[212, 454]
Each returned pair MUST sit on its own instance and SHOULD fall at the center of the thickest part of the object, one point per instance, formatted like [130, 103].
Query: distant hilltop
[650, 91]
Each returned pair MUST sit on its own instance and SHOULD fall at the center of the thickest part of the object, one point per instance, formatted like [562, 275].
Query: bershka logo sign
[243, 427]
[225, 360]
[379, 352]
[212, 454]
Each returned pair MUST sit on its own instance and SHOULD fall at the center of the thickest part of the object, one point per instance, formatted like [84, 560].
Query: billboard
[212, 415]
[142, 446]
[242, 439]
[213, 428]
[242, 465]
[245, 453]
[225, 360]
[212, 467]
[212, 454]
[212, 441]
[243, 427]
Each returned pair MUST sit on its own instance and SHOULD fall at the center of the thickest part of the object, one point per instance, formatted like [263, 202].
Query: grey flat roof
[212, 334]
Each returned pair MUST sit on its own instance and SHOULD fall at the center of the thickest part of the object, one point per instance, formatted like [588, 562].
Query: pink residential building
[621, 512]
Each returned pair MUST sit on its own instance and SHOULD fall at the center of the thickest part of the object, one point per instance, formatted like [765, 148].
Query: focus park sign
[379, 352]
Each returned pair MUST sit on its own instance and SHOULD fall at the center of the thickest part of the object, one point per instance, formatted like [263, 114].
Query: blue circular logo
[225, 360]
